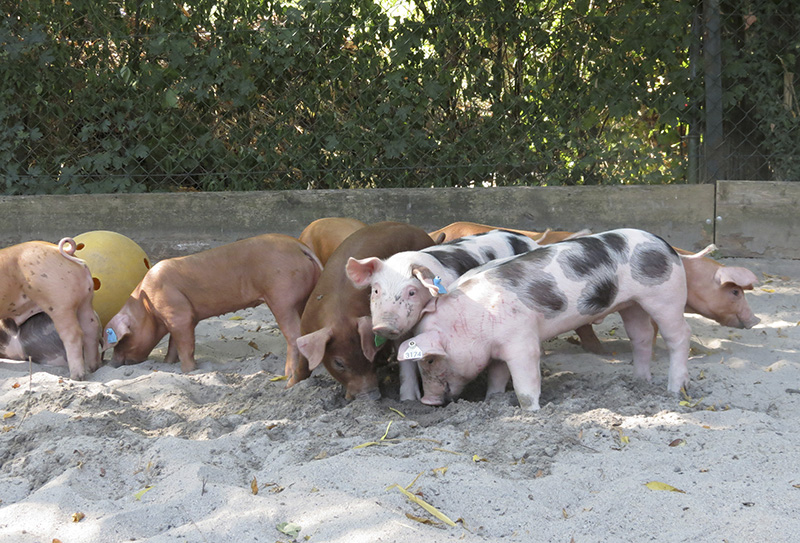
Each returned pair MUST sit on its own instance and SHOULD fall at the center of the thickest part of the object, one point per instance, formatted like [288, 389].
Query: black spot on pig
[520, 243]
[8, 328]
[514, 273]
[542, 294]
[585, 257]
[538, 258]
[458, 260]
[598, 296]
[489, 254]
[651, 262]
[617, 243]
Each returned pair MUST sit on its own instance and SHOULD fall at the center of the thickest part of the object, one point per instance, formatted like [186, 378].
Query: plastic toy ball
[117, 264]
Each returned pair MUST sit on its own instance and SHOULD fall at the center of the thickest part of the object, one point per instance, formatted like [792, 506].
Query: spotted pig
[402, 284]
[497, 317]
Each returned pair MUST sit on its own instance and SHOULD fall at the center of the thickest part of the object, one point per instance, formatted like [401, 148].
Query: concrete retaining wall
[173, 224]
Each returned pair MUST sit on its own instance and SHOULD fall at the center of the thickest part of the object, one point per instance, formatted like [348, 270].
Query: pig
[35, 339]
[713, 291]
[401, 285]
[717, 292]
[177, 293]
[43, 277]
[336, 326]
[461, 229]
[323, 236]
[497, 317]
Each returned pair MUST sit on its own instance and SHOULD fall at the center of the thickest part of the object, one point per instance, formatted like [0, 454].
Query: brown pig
[463, 228]
[177, 293]
[714, 291]
[325, 235]
[44, 277]
[336, 326]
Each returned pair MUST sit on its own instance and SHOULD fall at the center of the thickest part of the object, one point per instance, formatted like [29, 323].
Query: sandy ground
[145, 453]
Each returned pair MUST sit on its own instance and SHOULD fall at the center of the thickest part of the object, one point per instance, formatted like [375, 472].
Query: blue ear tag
[437, 282]
[111, 336]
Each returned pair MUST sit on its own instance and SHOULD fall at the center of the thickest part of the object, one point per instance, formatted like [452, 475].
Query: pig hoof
[432, 401]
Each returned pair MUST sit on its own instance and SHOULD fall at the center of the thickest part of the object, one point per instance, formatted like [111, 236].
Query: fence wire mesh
[135, 95]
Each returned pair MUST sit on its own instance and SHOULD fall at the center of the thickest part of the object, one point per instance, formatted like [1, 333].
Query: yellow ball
[117, 264]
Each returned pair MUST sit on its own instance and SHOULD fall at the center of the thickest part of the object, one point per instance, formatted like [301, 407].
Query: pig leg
[409, 381]
[640, 332]
[90, 324]
[180, 321]
[523, 365]
[172, 352]
[676, 334]
[288, 320]
[589, 340]
[184, 339]
[498, 378]
[71, 334]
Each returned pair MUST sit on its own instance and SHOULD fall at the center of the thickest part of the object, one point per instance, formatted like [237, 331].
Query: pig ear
[430, 307]
[421, 346]
[368, 340]
[360, 272]
[312, 346]
[741, 277]
[428, 280]
[116, 329]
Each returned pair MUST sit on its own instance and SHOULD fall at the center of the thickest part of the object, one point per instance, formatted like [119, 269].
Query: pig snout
[748, 322]
[368, 395]
[386, 330]
[432, 400]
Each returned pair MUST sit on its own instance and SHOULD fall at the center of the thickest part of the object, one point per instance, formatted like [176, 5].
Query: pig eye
[412, 292]
[735, 292]
[338, 364]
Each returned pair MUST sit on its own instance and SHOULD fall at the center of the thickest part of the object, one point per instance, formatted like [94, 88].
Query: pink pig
[497, 316]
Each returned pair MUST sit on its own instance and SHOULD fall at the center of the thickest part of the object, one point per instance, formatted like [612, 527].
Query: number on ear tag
[413, 352]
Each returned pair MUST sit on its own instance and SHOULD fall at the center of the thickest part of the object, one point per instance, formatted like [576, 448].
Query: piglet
[717, 292]
[402, 284]
[336, 326]
[43, 277]
[714, 291]
[177, 293]
[462, 229]
[323, 236]
[498, 316]
[35, 339]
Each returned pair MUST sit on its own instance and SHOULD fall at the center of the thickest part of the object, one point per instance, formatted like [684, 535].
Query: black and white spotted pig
[498, 316]
[35, 339]
[403, 283]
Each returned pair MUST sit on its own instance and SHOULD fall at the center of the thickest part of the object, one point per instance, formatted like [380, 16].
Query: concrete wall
[173, 224]
[759, 218]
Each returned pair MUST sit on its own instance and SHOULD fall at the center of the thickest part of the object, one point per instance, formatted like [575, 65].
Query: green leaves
[253, 95]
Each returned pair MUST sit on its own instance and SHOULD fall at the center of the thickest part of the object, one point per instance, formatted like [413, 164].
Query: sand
[145, 453]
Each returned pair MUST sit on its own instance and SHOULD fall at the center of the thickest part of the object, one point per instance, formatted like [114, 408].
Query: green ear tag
[379, 340]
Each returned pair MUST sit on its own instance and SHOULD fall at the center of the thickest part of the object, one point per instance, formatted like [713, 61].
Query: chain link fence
[134, 95]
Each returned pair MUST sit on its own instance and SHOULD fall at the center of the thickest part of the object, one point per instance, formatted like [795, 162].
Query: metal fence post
[714, 138]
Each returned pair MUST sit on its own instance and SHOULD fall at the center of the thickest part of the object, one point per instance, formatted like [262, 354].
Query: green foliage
[256, 94]
[761, 72]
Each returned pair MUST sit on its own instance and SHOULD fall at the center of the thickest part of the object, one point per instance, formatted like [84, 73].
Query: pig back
[334, 296]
